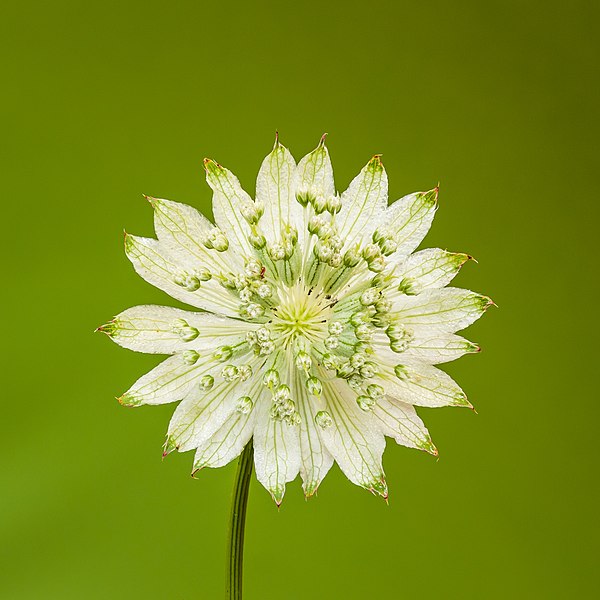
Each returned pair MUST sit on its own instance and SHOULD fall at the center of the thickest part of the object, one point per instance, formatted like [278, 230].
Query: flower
[317, 326]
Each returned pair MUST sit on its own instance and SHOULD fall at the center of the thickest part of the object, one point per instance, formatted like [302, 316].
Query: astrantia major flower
[317, 327]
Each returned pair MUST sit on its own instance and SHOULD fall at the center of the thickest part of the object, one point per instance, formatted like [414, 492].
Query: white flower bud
[323, 419]
[335, 328]
[276, 251]
[263, 334]
[351, 257]
[365, 403]
[334, 204]
[187, 281]
[355, 382]
[257, 241]
[265, 290]
[331, 342]
[229, 372]
[319, 203]
[187, 334]
[203, 274]
[363, 333]
[303, 361]
[315, 224]
[314, 386]
[368, 370]
[267, 348]
[254, 311]
[375, 391]
[282, 394]
[244, 405]
[244, 372]
[223, 353]
[401, 372]
[271, 379]
[252, 211]
[190, 357]
[246, 295]
[370, 296]
[253, 268]
[358, 318]
[207, 382]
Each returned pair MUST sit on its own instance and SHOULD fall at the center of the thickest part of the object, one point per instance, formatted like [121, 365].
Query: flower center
[301, 312]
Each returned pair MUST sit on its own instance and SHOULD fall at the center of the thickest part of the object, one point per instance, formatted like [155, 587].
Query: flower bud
[323, 419]
[303, 361]
[265, 290]
[351, 257]
[314, 386]
[244, 405]
[244, 372]
[229, 373]
[223, 353]
[252, 211]
[187, 281]
[370, 296]
[190, 357]
[187, 334]
[365, 403]
[368, 370]
[319, 203]
[207, 382]
[334, 204]
[257, 241]
[271, 379]
[203, 274]
[335, 328]
[375, 391]
[401, 372]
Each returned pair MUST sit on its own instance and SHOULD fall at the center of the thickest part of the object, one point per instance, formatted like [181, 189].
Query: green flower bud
[365, 403]
[334, 204]
[351, 257]
[314, 386]
[207, 382]
[257, 241]
[375, 391]
[223, 353]
[244, 405]
[187, 281]
[401, 372]
[190, 357]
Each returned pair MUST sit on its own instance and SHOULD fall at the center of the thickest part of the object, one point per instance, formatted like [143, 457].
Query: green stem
[235, 549]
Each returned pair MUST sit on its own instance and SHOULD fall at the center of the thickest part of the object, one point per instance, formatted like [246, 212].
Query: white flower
[317, 326]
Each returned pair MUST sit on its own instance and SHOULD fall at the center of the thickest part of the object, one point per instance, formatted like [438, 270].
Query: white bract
[317, 327]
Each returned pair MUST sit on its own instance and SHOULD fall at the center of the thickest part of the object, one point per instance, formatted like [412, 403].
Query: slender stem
[235, 548]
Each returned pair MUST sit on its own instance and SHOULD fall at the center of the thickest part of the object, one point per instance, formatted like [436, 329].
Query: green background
[102, 102]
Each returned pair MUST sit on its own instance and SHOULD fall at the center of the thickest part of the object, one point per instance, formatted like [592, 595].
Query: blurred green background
[102, 102]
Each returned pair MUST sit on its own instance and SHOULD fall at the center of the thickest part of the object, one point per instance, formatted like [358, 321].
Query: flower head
[317, 326]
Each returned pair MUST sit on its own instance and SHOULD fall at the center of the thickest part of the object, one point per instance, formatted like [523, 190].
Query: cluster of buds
[400, 337]
[251, 288]
[284, 249]
[182, 328]
[216, 240]
[260, 341]
[283, 407]
[386, 241]
[318, 201]
[191, 281]
[233, 373]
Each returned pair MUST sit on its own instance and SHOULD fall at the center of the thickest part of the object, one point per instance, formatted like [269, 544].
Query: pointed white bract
[317, 328]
